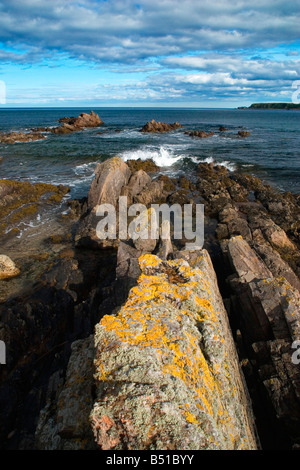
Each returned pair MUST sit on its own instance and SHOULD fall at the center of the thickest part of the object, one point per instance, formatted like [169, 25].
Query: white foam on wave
[162, 157]
[85, 168]
[229, 165]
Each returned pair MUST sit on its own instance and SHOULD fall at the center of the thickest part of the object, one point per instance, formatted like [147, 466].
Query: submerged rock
[21, 200]
[243, 133]
[13, 137]
[201, 134]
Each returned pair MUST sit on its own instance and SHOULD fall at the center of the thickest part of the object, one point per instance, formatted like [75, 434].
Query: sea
[271, 151]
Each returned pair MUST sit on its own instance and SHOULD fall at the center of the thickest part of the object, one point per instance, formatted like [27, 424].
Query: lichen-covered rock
[166, 371]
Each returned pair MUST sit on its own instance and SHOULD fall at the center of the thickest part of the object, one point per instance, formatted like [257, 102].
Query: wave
[229, 165]
[85, 169]
[163, 156]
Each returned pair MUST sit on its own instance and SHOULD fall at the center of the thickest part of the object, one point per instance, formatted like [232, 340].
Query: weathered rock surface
[68, 426]
[154, 126]
[110, 177]
[267, 312]
[167, 376]
[8, 268]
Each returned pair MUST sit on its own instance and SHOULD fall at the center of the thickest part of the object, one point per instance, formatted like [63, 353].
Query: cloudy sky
[189, 53]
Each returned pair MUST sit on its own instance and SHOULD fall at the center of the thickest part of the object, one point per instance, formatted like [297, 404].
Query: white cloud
[179, 48]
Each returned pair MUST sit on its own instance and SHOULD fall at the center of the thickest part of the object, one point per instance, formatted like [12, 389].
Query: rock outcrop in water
[154, 126]
[69, 124]
[13, 137]
[72, 124]
[131, 347]
[200, 134]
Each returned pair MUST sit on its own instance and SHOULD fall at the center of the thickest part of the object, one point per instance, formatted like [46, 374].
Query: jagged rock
[267, 312]
[273, 260]
[166, 375]
[8, 268]
[138, 181]
[245, 262]
[72, 124]
[154, 126]
[83, 120]
[235, 222]
[151, 194]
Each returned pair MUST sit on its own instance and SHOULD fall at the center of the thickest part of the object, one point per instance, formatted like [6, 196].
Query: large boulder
[110, 177]
[167, 375]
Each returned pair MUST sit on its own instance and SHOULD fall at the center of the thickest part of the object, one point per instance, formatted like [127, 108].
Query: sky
[162, 53]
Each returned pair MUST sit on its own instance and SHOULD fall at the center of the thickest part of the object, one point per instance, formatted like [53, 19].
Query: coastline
[73, 280]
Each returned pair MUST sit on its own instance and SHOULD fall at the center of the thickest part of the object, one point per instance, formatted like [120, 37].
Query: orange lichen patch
[149, 261]
[191, 418]
[145, 321]
[167, 345]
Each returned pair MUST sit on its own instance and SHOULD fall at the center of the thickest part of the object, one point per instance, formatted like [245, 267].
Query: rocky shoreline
[143, 345]
[68, 125]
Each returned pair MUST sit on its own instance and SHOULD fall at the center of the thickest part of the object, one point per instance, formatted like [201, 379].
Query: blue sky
[189, 53]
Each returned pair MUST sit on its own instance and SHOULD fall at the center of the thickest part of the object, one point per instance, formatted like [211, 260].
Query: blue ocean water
[272, 151]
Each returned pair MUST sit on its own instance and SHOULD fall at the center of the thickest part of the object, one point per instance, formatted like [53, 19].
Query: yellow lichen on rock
[168, 342]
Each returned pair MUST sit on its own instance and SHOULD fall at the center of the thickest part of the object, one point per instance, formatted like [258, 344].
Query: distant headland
[271, 106]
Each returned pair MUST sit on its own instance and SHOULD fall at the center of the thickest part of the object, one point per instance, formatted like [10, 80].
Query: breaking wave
[163, 156]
